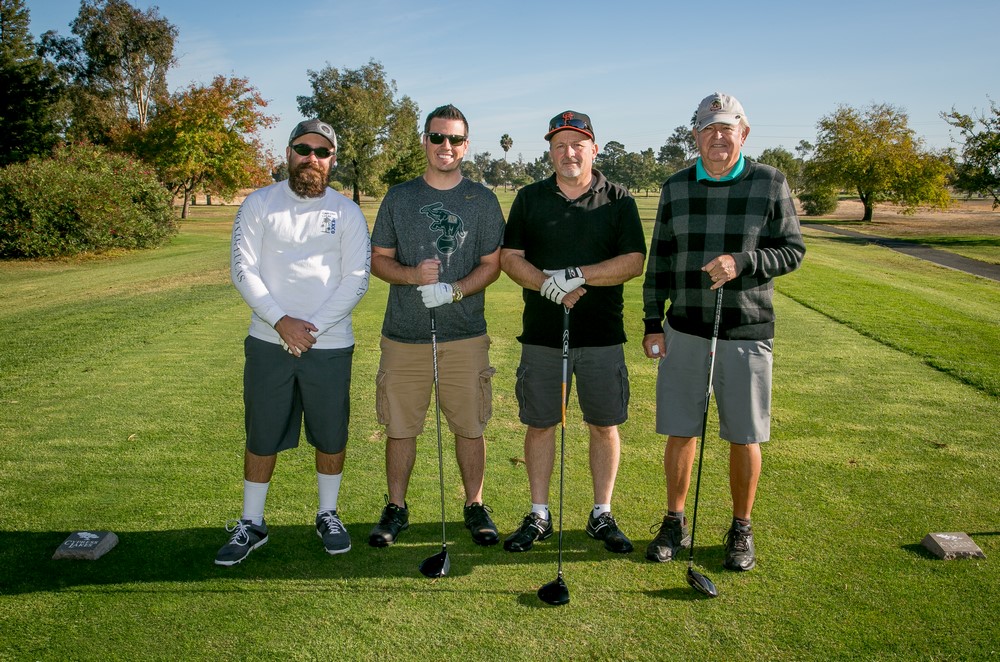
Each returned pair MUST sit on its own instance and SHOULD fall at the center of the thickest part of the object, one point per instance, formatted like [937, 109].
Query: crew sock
[329, 489]
[254, 497]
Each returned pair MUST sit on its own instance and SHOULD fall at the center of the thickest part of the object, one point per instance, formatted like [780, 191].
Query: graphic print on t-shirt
[328, 222]
[448, 223]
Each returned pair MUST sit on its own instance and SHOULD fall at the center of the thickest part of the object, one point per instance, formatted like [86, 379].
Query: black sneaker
[740, 555]
[606, 528]
[477, 520]
[331, 530]
[246, 537]
[672, 538]
[534, 527]
[394, 519]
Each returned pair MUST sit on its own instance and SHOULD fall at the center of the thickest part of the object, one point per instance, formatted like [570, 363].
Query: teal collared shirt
[701, 173]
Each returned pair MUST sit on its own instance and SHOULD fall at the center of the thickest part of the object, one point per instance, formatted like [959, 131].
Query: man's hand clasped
[561, 282]
[436, 294]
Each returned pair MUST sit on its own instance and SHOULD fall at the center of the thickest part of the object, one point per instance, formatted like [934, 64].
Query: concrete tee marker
[86, 545]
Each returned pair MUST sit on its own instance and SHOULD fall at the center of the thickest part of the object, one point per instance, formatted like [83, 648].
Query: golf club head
[555, 592]
[701, 583]
[436, 566]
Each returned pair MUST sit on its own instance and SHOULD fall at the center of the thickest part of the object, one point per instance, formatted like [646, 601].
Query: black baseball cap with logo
[572, 121]
[314, 126]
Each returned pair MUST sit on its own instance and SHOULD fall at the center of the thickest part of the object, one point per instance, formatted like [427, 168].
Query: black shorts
[281, 390]
[602, 384]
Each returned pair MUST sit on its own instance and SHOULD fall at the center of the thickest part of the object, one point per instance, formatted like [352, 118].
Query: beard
[308, 180]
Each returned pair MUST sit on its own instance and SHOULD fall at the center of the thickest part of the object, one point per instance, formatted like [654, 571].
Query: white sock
[601, 508]
[541, 508]
[254, 496]
[329, 489]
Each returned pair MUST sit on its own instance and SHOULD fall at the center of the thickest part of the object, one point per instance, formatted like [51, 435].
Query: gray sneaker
[331, 530]
[668, 543]
[246, 537]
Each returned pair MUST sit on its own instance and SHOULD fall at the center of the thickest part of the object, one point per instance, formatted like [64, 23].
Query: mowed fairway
[121, 409]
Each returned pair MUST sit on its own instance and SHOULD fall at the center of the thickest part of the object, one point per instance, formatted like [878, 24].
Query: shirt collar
[702, 174]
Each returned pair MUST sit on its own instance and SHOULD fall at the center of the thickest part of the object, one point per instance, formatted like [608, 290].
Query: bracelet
[456, 293]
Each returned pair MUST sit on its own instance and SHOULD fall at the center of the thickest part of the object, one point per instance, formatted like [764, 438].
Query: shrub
[82, 199]
[818, 201]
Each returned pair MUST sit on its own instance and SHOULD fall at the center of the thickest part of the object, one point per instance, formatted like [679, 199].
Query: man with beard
[436, 241]
[573, 229]
[300, 259]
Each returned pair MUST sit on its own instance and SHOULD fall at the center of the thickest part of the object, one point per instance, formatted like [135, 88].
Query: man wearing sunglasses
[300, 259]
[571, 241]
[436, 241]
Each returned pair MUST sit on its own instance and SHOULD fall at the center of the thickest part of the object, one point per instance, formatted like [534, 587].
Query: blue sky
[638, 69]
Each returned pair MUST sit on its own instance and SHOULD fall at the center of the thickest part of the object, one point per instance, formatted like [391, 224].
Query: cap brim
[720, 119]
[568, 128]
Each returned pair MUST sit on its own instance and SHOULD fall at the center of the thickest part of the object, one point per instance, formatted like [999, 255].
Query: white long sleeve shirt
[308, 258]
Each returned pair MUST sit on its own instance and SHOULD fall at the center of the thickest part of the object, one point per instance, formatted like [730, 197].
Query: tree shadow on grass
[293, 552]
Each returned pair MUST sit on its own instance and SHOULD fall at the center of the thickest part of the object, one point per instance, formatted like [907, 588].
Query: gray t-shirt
[459, 227]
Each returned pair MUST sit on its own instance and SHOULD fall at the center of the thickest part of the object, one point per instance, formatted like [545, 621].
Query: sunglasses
[574, 123]
[438, 138]
[305, 150]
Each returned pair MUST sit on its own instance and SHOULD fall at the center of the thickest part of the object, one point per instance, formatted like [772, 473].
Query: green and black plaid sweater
[752, 218]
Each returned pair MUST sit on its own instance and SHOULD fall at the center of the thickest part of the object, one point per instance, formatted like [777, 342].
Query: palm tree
[506, 142]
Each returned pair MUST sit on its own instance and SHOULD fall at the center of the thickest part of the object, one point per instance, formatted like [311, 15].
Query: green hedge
[82, 199]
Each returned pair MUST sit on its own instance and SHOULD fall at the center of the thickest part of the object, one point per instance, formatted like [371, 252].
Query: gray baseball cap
[719, 108]
[314, 126]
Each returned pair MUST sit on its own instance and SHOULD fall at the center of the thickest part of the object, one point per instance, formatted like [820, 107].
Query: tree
[207, 138]
[610, 161]
[406, 144]
[506, 142]
[28, 111]
[117, 66]
[539, 169]
[680, 150]
[979, 171]
[783, 160]
[371, 124]
[874, 152]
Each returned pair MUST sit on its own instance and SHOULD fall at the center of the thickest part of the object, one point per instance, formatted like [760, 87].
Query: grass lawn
[121, 410]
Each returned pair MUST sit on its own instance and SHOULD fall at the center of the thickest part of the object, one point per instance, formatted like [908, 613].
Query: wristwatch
[456, 293]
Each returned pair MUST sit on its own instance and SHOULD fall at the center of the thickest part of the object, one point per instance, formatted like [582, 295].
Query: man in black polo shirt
[572, 240]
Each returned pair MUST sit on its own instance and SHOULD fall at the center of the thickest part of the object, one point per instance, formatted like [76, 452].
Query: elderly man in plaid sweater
[725, 221]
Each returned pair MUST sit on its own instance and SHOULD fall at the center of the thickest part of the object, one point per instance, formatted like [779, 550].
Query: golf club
[696, 580]
[439, 564]
[556, 592]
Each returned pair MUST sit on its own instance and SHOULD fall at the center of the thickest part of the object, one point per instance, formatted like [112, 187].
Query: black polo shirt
[554, 233]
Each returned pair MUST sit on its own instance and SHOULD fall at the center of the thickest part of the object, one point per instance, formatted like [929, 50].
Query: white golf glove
[285, 346]
[437, 294]
[561, 282]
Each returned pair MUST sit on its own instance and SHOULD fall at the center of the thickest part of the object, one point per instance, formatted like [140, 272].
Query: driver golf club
[556, 592]
[439, 564]
[696, 580]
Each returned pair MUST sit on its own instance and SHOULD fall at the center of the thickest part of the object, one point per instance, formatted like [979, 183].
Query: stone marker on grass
[87, 545]
[950, 546]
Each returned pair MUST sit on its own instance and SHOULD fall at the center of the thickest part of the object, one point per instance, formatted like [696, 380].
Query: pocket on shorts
[486, 394]
[626, 389]
[381, 398]
[519, 387]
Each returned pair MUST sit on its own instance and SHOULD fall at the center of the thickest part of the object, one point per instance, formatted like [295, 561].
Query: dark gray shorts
[601, 385]
[281, 390]
[741, 386]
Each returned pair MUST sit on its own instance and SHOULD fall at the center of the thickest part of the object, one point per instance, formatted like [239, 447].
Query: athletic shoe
[394, 519]
[331, 530]
[740, 555]
[672, 538]
[477, 520]
[606, 528]
[534, 527]
[246, 537]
